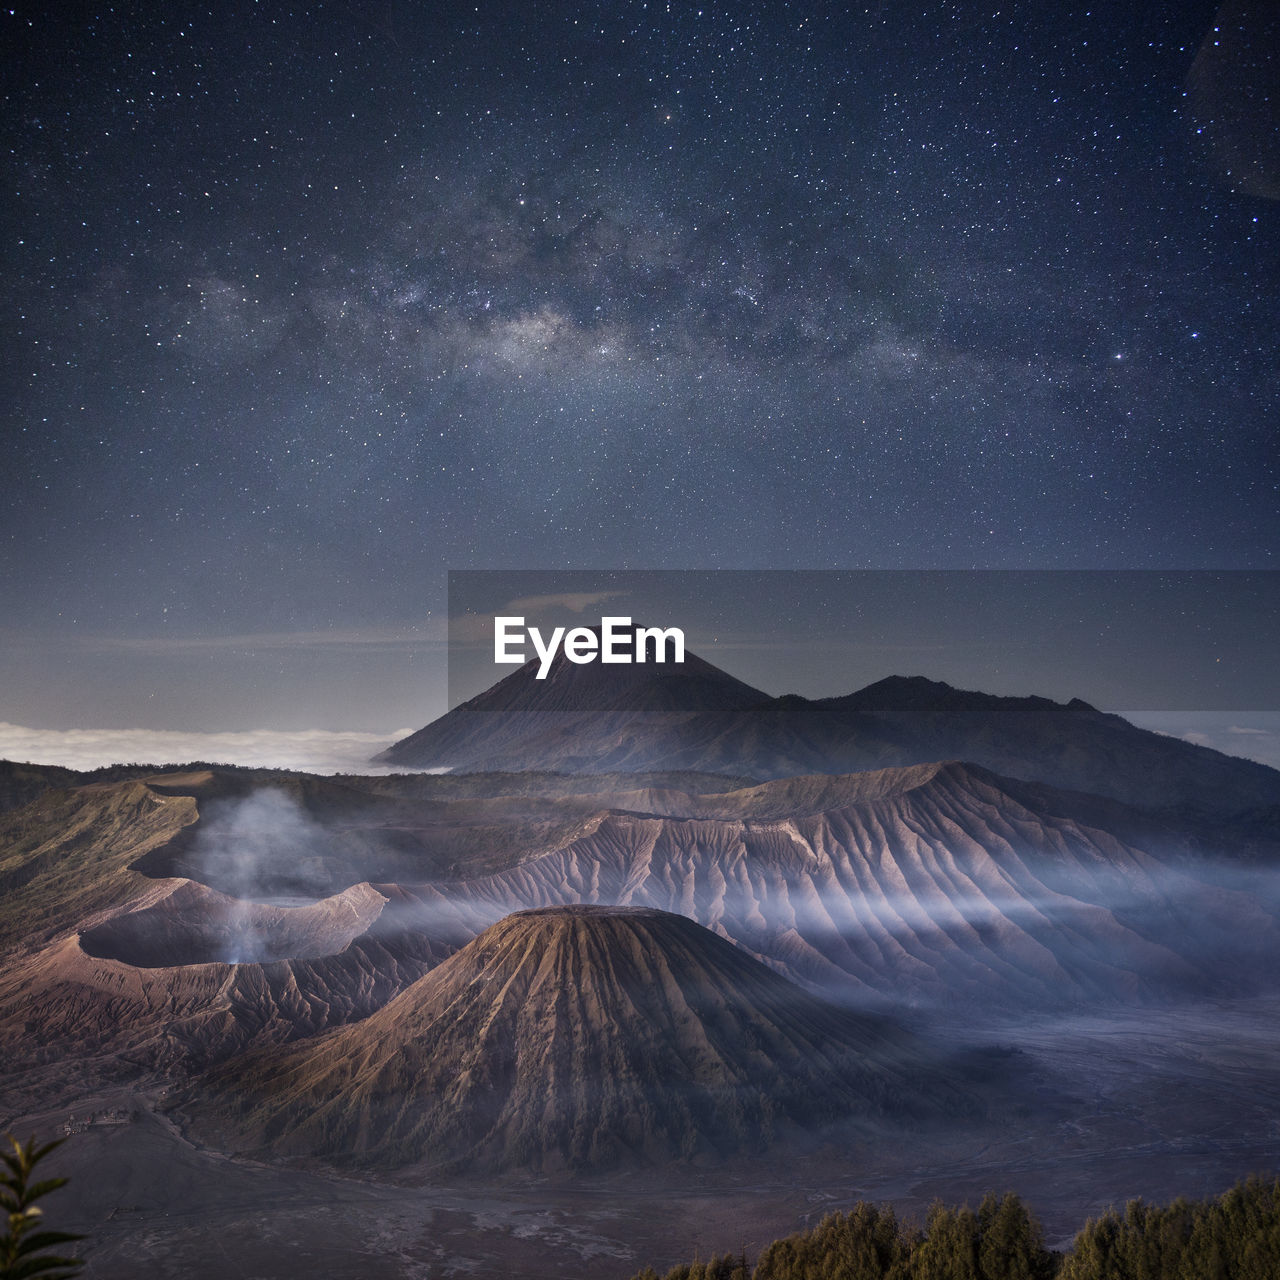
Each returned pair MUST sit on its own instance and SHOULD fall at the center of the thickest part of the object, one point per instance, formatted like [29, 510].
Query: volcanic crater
[198, 925]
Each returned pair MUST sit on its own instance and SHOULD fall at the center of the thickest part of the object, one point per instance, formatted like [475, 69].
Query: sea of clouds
[309, 750]
[1254, 735]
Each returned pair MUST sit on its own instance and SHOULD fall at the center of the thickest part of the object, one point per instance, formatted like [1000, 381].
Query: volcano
[587, 719]
[579, 1037]
[929, 885]
[578, 717]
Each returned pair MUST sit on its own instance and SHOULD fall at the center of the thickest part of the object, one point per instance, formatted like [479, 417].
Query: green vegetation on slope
[1234, 1237]
[67, 855]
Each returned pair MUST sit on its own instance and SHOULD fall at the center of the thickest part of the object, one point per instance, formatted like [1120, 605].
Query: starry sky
[305, 305]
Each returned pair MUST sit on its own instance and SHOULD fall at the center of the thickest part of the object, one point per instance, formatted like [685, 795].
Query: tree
[23, 1247]
[949, 1250]
[1011, 1242]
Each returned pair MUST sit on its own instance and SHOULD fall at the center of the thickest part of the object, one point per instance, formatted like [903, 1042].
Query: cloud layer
[324, 751]
[310, 750]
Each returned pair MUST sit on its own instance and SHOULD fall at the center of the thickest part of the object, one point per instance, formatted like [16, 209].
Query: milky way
[303, 306]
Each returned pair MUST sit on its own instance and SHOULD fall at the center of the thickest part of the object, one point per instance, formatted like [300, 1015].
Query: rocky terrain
[582, 1037]
[174, 917]
[1056, 938]
[918, 885]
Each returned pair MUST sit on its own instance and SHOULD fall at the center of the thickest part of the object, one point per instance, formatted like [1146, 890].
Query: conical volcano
[580, 1037]
[576, 716]
[590, 719]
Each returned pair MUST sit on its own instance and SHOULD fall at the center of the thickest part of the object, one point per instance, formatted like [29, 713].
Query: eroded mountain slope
[578, 1036]
[918, 884]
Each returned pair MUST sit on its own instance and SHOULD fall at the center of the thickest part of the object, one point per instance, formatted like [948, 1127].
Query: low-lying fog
[1253, 735]
[1050, 925]
[308, 750]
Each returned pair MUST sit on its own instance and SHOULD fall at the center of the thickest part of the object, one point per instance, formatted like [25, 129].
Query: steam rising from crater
[251, 847]
[263, 848]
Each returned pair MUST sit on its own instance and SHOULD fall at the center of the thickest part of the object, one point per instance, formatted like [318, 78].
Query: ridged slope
[185, 976]
[578, 1036]
[922, 884]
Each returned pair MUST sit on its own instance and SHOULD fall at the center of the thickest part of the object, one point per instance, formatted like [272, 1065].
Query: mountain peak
[699, 718]
[681, 687]
[521, 705]
[902, 687]
[580, 1036]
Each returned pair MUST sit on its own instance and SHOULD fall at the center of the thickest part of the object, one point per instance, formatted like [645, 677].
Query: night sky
[305, 305]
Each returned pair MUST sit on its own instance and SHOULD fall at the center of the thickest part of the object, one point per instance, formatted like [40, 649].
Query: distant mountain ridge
[930, 884]
[714, 723]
